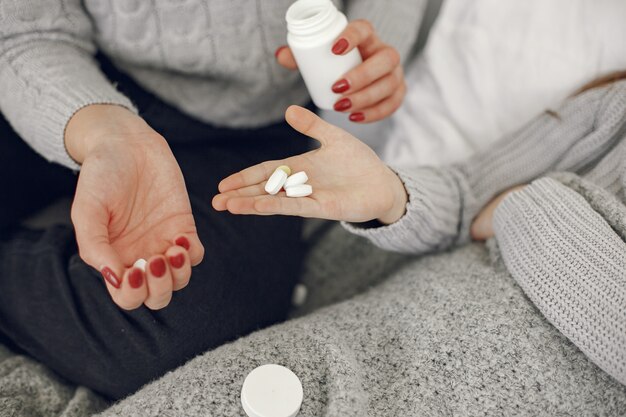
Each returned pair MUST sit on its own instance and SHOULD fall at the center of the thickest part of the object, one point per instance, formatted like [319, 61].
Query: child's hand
[349, 181]
[371, 91]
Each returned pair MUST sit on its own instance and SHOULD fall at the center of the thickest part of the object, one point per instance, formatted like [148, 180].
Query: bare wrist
[398, 208]
[94, 123]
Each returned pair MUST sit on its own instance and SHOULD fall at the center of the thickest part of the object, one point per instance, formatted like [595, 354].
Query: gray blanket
[439, 335]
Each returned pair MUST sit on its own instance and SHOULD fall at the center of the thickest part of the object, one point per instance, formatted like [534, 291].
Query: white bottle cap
[271, 391]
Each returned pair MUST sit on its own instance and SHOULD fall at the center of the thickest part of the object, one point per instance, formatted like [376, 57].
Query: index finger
[359, 33]
[249, 176]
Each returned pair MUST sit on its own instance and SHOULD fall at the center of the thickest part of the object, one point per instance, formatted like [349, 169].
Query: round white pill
[271, 391]
[276, 181]
[298, 178]
[302, 190]
[141, 264]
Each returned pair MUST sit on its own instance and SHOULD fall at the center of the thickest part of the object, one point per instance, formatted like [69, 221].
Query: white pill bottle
[313, 26]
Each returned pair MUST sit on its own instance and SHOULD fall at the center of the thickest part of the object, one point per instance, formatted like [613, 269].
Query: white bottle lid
[271, 391]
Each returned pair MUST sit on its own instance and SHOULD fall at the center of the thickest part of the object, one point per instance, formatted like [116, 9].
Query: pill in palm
[286, 169]
[298, 178]
[302, 190]
[141, 264]
[277, 180]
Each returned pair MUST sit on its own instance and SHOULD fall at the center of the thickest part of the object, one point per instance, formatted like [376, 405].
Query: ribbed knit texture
[571, 264]
[212, 59]
[562, 238]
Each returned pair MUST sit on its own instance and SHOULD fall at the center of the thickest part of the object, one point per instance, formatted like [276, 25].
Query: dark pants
[56, 308]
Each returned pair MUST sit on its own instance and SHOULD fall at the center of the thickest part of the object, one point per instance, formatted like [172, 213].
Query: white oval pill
[141, 264]
[298, 178]
[302, 190]
[276, 181]
[271, 391]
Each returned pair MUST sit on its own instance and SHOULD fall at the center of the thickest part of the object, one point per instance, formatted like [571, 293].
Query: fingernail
[340, 46]
[177, 261]
[135, 278]
[341, 86]
[157, 267]
[280, 48]
[357, 117]
[183, 242]
[110, 277]
[343, 104]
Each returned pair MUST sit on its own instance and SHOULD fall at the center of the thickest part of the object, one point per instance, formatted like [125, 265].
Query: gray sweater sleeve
[444, 201]
[571, 263]
[47, 72]
[397, 22]
[563, 237]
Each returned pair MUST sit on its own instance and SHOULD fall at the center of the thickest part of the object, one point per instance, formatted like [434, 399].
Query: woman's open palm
[131, 203]
[349, 181]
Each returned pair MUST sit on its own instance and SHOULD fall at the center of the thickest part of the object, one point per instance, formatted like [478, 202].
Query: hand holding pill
[348, 181]
[141, 212]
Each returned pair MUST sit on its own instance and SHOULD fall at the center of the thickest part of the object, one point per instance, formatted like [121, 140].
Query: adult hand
[482, 226]
[349, 181]
[131, 203]
[374, 89]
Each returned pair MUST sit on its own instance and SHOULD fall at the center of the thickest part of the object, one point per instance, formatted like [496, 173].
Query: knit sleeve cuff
[55, 122]
[431, 220]
[571, 264]
[44, 85]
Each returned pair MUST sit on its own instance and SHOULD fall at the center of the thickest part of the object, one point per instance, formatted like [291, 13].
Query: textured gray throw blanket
[447, 334]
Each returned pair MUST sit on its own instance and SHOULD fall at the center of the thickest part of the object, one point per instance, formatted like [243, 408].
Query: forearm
[571, 264]
[443, 202]
[47, 73]
[96, 123]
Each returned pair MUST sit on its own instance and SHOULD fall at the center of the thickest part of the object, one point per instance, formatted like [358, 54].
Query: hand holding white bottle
[370, 91]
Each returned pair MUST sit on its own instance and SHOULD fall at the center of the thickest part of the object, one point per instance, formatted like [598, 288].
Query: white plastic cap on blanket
[271, 391]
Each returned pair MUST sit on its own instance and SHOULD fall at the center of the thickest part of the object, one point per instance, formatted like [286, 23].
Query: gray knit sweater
[213, 59]
[558, 239]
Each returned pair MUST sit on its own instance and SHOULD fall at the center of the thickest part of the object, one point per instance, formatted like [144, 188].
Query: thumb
[92, 236]
[311, 125]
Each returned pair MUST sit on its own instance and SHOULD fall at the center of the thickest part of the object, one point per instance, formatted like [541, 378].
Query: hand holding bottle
[372, 90]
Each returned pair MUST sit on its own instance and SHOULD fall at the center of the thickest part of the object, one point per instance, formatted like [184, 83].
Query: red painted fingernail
[111, 278]
[157, 267]
[343, 104]
[182, 241]
[341, 86]
[177, 261]
[135, 278]
[357, 117]
[340, 46]
[280, 48]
